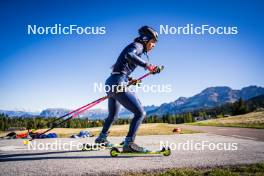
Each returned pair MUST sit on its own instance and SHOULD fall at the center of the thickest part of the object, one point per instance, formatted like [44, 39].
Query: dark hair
[139, 40]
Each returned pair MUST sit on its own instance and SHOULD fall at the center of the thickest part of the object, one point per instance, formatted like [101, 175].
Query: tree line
[236, 108]
[40, 122]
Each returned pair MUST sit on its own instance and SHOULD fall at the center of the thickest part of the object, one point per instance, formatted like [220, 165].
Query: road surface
[16, 159]
[244, 133]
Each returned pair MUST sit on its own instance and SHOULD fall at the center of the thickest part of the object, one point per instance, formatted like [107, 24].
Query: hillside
[250, 120]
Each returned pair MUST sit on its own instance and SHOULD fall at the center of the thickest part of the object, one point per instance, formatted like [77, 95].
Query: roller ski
[134, 149]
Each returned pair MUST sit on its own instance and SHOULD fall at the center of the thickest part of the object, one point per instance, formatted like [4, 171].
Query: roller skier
[127, 62]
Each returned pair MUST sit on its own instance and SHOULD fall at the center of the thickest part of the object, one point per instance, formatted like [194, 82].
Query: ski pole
[84, 108]
[73, 111]
[77, 112]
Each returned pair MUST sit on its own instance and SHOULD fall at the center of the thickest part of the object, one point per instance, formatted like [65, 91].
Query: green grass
[253, 169]
[250, 120]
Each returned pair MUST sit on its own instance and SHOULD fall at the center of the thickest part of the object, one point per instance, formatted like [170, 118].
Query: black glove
[157, 70]
[133, 81]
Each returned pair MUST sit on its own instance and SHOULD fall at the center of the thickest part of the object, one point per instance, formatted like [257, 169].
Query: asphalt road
[16, 159]
[243, 133]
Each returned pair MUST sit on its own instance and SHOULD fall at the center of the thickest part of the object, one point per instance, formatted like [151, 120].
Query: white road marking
[12, 148]
[243, 137]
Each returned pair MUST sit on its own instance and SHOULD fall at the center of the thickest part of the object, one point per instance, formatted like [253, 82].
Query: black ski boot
[103, 142]
[133, 148]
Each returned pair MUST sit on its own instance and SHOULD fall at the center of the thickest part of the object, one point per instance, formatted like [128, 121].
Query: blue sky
[49, 71]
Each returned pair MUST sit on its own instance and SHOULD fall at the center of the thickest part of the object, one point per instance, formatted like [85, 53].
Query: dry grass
[121, 130]
[250, 120]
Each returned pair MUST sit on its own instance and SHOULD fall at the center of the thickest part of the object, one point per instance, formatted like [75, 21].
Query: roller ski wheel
[114, 152]
[86, 147]
[166, 152]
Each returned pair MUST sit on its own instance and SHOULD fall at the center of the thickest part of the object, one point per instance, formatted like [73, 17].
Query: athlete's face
[150, 45]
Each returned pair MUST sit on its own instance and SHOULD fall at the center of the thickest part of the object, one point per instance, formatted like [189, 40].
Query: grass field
[250, 120]
[119, 130]
[253, 169]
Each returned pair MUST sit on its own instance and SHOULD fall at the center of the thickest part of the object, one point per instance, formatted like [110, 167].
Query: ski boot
[132, 147]
[101, 143]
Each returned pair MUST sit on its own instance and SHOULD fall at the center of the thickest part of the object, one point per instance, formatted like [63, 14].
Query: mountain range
[208, 98]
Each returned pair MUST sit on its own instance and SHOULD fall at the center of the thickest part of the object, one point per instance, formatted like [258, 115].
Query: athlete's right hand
[153, 68]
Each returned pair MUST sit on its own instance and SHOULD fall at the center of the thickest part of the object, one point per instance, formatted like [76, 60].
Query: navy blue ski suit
[126, 63]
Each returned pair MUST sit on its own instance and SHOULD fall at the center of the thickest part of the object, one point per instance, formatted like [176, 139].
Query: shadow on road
[26, 156]
[32, 154]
